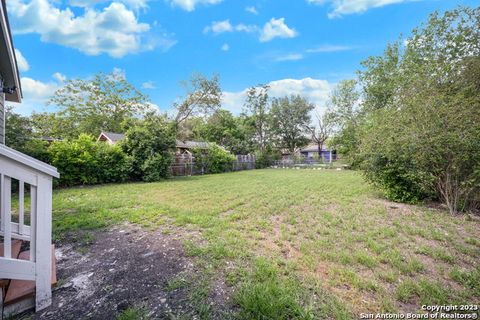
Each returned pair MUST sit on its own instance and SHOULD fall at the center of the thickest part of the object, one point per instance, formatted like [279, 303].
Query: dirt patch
[127, 267]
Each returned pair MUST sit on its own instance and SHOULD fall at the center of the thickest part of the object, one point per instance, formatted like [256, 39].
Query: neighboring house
[311, 152]
[110, 137]
[26, 276]
[182, 146]
[187, 146]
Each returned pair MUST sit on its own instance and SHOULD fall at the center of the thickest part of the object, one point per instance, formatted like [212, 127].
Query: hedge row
[84, 161]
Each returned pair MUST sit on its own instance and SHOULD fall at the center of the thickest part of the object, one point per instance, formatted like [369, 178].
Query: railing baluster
[7, 215]
[21, 208]
[33, 222]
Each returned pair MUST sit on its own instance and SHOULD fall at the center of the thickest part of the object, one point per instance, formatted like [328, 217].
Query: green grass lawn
[298, 243]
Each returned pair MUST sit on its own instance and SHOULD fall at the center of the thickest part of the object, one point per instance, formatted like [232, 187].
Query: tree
[18, 129]
[191, 129]
[150, 144]
[225, 130]
[203, 96]
[321, 130]
[344, 117]
[257, 108]
[424, 140]
[379, 81]
[106, 103]
[290, 116]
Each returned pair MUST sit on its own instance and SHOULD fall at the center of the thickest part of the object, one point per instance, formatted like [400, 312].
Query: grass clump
[265, 295]
[134, 313]
[424, 291]
[469, 279]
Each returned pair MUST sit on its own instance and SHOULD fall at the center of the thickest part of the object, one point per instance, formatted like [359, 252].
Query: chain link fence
[185, 165]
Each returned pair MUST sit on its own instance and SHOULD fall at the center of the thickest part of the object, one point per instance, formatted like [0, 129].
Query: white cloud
[114, 30]
[328, 48]
[134, 4]
[37, 90]
[276, 28]
[315, 90]
[189, 5]
[219, 27]
[344, 7]
[252, 10]
[22, 63]
[148, 85]
[290, 57]
[246, 28]
[225, 47]
[59, 77]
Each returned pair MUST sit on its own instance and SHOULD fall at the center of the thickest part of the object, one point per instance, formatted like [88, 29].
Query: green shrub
[150, 145]
[156, 167]
[266, 158]
[113, 164]
[37, 149]
[75, 160]
[84, 161]
[214, 160]
[419, 134]
[399, 179]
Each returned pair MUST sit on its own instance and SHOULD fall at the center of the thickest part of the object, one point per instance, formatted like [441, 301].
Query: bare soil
[128, 267]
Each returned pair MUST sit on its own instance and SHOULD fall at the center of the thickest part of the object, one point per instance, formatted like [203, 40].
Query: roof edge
[16, 95]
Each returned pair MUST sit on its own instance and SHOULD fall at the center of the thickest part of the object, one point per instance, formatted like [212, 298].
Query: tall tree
[203, 97]
[290, 117]
[226, 130]
[257, 108]
[18, 129]
[321, 129]
[424, 140]
[106, 103]
[344, 116]
[150, 144]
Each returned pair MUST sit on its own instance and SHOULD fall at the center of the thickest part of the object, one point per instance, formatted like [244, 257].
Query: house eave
[8, 62]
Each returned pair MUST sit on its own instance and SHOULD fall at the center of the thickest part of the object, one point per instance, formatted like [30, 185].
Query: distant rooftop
[112, 136]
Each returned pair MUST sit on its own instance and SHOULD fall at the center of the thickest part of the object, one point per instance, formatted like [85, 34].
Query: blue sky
[297, 46]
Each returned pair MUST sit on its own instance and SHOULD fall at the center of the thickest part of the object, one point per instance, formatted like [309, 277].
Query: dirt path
[126, 267]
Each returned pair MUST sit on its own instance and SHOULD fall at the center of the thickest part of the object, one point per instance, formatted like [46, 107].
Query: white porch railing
[26, 170]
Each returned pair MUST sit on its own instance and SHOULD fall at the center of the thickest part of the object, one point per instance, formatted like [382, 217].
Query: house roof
[8, 61]
[180, 144]
[112, 136]
[188, 144]
[312, 148]
[197, 144]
